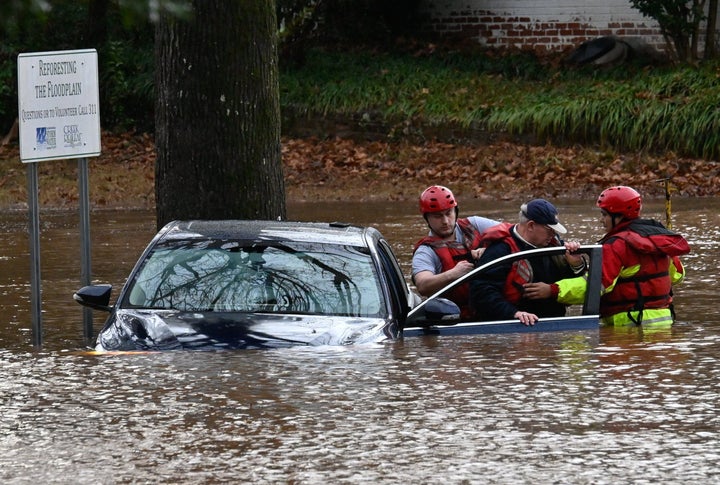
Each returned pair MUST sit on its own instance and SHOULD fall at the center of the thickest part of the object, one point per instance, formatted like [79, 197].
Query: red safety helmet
[436, 198]
[622, 200]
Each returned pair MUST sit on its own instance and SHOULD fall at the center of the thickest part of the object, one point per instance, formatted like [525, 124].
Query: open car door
[438, 315]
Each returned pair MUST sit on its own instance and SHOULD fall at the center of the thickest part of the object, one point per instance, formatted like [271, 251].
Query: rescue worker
[450, 249]
[498, 294]
[640, 264]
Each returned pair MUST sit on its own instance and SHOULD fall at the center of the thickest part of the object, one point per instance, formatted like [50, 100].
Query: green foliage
[349, 23]
[292, 15]
[14, 15]
[678, 19]
[127, 94]
[26, 26]
[436, 88]
[8, 90]
[656, 110]
[407, 87]
[125, 54]
[629, 107]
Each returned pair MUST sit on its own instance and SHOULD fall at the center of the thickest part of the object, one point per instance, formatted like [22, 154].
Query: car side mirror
[438, 311]
[96, 297]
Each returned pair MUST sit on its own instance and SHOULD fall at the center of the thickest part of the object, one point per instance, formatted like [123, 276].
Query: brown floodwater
[607, 406]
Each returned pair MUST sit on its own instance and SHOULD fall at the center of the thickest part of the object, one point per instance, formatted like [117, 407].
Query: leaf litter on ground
[349, 169]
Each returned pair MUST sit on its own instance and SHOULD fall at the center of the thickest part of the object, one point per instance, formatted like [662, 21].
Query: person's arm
[482, 223]
[571, 291]
[576, 261]
[568, 291]
[677, 271]
[573, 264]
[487, 297]
[427, 274]
[428, 283]
[612, 265]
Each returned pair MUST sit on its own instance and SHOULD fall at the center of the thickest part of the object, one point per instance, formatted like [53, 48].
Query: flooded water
[609, 406]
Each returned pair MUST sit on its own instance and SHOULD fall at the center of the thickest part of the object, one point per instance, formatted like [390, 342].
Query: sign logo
[72, 136]
[45, 138]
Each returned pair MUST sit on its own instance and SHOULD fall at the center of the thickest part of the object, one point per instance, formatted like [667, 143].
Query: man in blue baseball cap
[499, 293]
[543, 212]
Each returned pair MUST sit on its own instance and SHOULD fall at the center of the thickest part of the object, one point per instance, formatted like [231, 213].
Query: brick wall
[548, 25]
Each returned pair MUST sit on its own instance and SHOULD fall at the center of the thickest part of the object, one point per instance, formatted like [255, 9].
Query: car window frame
[398, 290]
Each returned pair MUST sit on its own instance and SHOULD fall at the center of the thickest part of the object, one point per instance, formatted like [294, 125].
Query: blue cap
[543, 212]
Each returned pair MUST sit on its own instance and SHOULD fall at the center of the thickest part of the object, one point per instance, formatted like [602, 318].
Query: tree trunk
[96, 33]
[710, 33]
[217, 114]
[696, 17]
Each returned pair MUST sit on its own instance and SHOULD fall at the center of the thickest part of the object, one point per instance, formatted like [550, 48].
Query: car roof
[268, 230]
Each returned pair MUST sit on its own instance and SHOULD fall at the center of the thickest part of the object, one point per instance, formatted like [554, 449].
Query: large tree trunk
[218, 114]
[96, 33]
[711, 37]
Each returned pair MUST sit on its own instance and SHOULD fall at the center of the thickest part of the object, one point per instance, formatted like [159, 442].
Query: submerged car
[236, 284]
[255, 284]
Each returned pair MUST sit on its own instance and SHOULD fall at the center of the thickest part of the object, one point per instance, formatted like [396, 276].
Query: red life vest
[452, 252]
[651, 246]
[520, 272]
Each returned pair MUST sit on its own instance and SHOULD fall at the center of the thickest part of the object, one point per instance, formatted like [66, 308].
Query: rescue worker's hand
[476, 253]
[462, 268]
[526, 318]
[537, 291]
[575, 260]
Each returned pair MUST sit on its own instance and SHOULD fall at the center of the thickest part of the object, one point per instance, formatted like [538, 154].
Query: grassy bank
[629, 108]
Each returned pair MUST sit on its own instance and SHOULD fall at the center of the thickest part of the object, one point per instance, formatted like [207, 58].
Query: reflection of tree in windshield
[302, 278]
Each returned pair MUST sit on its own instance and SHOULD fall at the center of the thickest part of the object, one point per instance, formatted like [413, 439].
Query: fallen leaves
[504, 170]
[345, 169]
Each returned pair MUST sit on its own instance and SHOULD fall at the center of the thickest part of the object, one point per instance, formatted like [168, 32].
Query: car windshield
[231, 276]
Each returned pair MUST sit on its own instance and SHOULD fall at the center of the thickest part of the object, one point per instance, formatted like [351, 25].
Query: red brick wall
[550, 25]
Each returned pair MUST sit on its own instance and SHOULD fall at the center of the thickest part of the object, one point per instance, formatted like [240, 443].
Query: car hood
[170, 329]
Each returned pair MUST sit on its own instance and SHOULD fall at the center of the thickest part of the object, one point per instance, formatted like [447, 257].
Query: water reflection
[575, 407]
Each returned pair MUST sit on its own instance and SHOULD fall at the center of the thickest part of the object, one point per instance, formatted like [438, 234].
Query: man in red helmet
[499, 293]
[450, 249]
[640, 264]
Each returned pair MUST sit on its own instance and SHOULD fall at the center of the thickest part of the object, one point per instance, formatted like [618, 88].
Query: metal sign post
[59, 114]
[34, 228]
[85, 260]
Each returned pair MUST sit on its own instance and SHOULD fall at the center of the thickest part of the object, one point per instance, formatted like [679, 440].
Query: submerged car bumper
[172, 330]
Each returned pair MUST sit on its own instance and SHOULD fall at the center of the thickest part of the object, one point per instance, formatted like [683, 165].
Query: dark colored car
[256, 284]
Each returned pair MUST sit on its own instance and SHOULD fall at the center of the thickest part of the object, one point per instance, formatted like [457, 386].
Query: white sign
[58, 105]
